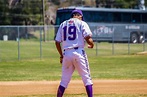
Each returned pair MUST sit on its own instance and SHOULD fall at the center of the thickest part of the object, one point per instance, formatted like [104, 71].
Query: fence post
[129, 44]
[96, 48]
[96, 42]
[41, 43]
[144, 41]
[113, 44]
[18, 42]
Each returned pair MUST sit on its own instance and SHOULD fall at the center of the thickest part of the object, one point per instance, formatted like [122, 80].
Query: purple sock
[60, 91]
[89, 90]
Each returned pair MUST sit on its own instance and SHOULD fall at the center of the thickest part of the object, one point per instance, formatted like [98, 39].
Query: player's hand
[90, 46]
[61, 59]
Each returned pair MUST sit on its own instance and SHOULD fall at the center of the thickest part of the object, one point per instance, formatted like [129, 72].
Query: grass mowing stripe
[104, 67]
[123, 67]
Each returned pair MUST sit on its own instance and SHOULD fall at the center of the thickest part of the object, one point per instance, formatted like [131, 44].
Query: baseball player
[73, 33]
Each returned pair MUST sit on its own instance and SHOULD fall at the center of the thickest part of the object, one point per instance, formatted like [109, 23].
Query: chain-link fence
[121, 39]
[25, 42]
[37, 42]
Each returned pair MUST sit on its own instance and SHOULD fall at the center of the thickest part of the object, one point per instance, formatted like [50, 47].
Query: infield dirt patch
[142, 53]
[75, 87]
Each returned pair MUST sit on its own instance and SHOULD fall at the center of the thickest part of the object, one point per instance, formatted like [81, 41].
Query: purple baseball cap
[77, 11]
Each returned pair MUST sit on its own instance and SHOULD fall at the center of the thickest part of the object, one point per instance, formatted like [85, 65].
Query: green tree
[126, 3]
[27, 12]
[21, 12]
[5, 19]
[118, 3]
[56, 2]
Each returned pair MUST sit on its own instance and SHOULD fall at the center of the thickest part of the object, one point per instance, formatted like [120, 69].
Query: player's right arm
[59, 49]
[58, 41]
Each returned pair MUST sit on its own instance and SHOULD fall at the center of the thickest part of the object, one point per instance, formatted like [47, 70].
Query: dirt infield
[75, 87]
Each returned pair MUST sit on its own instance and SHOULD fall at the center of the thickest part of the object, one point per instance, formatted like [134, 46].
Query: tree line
[21, 12]
[30, 12]
[119, 3]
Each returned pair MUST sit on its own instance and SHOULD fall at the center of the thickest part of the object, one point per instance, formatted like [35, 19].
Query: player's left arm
[87, 35]
[59, 49]
[89, 40]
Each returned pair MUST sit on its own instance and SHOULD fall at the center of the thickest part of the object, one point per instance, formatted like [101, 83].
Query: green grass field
[30, 49]
[102, 67]
[31, 67]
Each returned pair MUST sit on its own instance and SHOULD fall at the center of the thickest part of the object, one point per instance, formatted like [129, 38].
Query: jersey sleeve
[59, 34]
[86, 30]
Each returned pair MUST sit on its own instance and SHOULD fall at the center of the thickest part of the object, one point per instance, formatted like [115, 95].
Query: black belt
[72, 48]
[76, 48]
